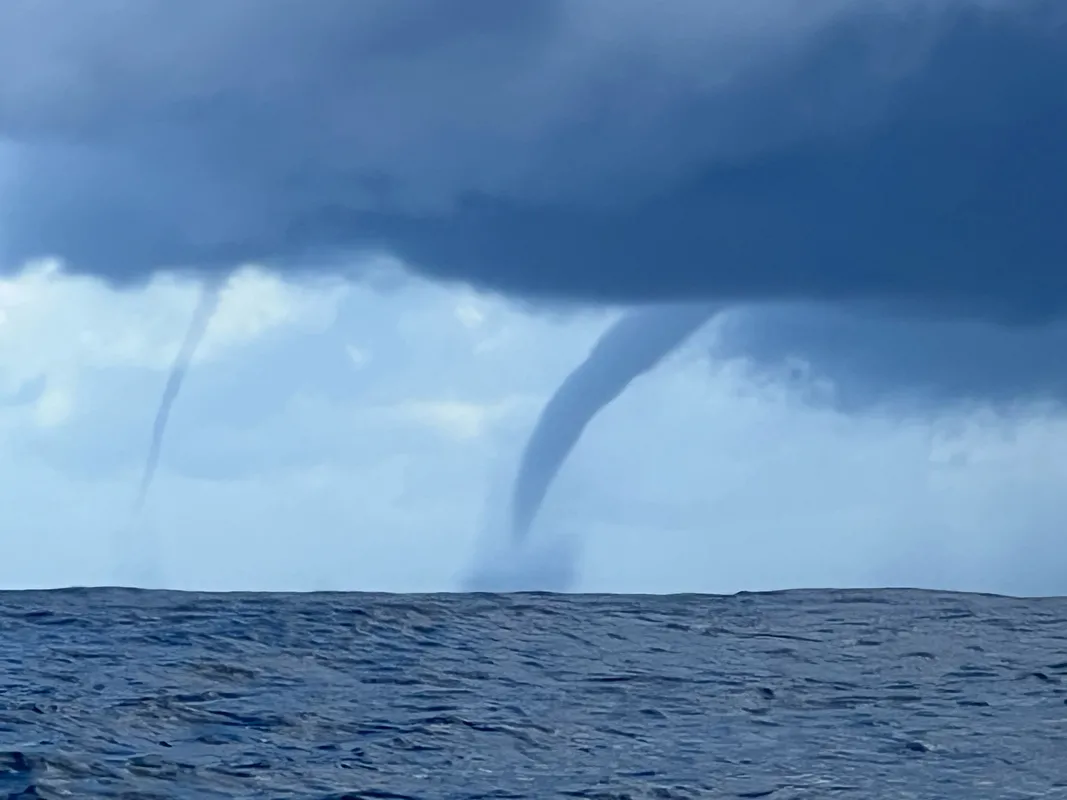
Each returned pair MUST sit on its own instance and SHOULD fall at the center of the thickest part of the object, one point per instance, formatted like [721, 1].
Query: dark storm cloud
[598, 150]
[875, 362]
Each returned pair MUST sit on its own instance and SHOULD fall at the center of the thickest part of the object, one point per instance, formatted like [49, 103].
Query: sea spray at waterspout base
[547, 562]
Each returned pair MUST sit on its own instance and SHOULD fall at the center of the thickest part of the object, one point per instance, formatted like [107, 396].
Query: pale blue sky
[336, 436]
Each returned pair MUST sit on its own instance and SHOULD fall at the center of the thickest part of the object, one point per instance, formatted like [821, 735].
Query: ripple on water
[117, 693]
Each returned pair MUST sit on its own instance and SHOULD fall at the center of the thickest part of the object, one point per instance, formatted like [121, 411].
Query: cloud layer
[907, 151]
[863, 361]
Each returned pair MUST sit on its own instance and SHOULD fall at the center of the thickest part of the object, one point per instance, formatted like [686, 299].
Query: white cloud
[55, 405]
[458, 420]
[49, 319]
[357, 355]
[254, 302]
[57, 328]
[469, 314]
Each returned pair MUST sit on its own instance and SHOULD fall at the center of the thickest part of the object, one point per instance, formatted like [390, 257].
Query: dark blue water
[880, 694]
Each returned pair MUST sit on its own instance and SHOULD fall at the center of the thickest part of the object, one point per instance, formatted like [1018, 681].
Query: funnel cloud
[632, 346]
[205, 309]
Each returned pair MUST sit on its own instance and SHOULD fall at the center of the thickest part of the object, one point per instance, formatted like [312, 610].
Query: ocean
[802, 694]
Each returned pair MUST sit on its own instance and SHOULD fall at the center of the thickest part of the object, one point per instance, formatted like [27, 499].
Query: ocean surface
[808, 694]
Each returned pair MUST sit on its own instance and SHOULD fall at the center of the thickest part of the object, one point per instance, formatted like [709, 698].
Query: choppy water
[887, 694]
